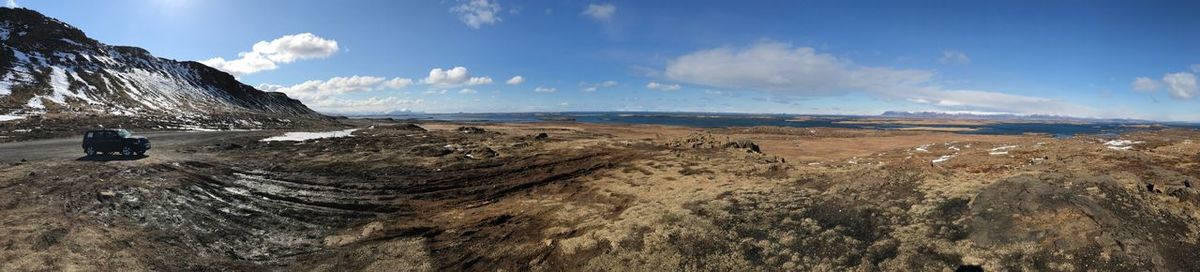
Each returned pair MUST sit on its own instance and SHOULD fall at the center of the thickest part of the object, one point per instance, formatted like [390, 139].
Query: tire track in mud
[269, 217]
[243, 215]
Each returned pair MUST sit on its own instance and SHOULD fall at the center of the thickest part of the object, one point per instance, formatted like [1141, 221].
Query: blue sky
[1130, 59]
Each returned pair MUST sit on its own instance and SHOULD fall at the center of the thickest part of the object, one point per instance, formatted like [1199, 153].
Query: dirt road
[164, 143]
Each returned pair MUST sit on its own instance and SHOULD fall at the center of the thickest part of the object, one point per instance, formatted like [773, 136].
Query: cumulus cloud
[1181, 85]
[778, 67]
[323, 95]
[11, 4]
[592, 87]
[476, 13]
[662, 87]
[479, 81]
[954, 57]
[1145, 84]
[398, 83]
[783, 70]
[360, 106]
[541, 89]
[600, 12]
[456, 75]
[453, 77]
[516, 80]
[267, 55]
[467, 91]
[314, 90]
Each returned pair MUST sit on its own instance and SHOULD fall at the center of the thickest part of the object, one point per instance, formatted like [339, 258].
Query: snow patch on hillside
[1121, 144]
[304, 136]
[10, 117]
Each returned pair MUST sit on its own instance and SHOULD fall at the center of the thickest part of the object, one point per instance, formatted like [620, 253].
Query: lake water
[709, 120]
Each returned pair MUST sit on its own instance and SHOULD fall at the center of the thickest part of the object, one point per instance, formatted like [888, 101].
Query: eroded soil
[571, 197]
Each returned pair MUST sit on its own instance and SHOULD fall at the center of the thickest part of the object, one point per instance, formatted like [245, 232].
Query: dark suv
[114, 140]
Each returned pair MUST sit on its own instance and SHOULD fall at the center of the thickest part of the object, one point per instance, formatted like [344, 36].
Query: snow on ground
[6, 85]
[923, 148]
[304, 136]
[10, 117]
[1121, 144]
[943, 158]
[1003, 150]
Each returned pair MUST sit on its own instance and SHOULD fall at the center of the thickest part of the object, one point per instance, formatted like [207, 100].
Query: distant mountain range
[49, 69]
[1001, 117]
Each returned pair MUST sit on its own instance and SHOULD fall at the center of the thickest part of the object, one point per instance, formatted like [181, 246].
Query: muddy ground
[587, 197]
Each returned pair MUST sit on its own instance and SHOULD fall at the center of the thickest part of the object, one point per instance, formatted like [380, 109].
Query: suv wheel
[126, 151]
[90, 151]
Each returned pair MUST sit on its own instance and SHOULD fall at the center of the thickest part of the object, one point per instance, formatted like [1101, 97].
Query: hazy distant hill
[1000, 116]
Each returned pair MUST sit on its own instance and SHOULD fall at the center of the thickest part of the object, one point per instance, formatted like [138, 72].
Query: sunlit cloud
[267, 55]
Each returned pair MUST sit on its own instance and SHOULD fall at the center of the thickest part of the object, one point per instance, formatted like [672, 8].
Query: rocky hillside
[50, 70]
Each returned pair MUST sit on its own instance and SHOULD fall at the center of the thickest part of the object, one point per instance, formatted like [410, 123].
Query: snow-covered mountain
[49, 69]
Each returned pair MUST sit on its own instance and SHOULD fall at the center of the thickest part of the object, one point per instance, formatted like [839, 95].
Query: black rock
[744, 144]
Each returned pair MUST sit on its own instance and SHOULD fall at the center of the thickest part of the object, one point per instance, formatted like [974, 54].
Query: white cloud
[592, 87]
[322, 95]
[467, 91]
[954, 57]
[398, 83]
[662, 87]
[564, 104]
[11, 4]
[479, 81]
[1181, 85]
[783, 70]
[973, 100]
[266, 55]
[313, 90]
[777, 67]
[369, 105]
[453, 77]
[476, 13]
[1145, 84]
[516, 80]
[600, 12]
[541, 89]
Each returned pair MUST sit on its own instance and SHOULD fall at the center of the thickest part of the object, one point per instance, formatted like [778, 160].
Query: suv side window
[89, 135]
